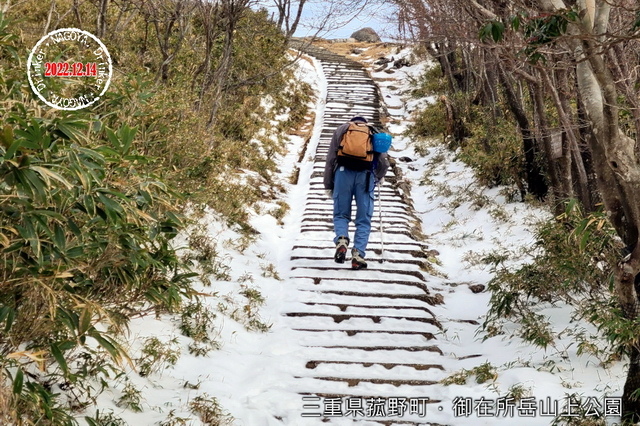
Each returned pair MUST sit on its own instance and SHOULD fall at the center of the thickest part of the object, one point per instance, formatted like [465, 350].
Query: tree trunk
[220, 77]
[101, 24]
[581, 181]
[536, 183]
[454, 122]
[488, 93]
[209, 14]
[232, 11]
[627, 85]
[177, 18]
[445, 66]
[282, 12]
[76, 12]
[632, 406]
[598, 91]
[543, 134]
[574, 157]
[296, 20]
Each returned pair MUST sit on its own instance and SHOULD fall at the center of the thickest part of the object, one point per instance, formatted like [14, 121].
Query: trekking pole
[381, 230]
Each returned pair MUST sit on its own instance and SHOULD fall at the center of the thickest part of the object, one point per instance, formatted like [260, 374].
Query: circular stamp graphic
[69, 69]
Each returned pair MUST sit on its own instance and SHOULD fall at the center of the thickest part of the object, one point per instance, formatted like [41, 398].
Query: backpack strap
[374, 166]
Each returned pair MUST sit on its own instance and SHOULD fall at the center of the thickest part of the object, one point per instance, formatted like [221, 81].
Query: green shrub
[204, 255]
[209, 411]
[572, 261]
[157, 355]
[90, 200]
[131, 398]
[494, 150]
[196, 321]
[483, 373]
[492, 146]
[248, 313]
[429, 122]
[280, 212]
[85, 242]
[173, 420]
[432, 82]
[102, 419]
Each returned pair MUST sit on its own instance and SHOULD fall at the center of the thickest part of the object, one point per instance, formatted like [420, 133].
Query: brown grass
[7, 411]
[381, 79]
[302, 56]
[306, 128]
[373, 50]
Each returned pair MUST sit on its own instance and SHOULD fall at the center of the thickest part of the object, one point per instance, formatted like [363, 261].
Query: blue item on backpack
[381, 142]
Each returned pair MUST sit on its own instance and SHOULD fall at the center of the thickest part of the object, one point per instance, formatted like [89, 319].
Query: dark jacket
[332, 160]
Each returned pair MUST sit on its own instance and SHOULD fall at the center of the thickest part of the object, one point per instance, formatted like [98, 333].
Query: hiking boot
[341, 249]
[357, 262]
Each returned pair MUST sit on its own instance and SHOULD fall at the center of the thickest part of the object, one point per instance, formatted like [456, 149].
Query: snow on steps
[370, 333]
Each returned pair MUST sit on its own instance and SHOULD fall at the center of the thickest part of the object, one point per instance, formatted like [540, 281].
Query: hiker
[346, 177]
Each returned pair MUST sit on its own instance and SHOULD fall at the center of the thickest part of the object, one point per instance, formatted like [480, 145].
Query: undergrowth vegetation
[572, 261]
[91, 200]
[491, 144]
[573, 254]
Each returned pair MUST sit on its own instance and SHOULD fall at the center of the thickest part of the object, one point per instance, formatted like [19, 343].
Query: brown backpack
[356, 143]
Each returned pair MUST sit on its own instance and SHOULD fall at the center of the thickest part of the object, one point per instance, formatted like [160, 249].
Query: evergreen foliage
[91, 200]
[85, 242]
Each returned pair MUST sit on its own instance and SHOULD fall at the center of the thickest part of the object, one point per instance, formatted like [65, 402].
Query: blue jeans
[347, 185]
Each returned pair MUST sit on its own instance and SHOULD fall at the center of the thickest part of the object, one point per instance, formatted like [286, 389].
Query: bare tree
[617, 153]
[127, 12]
[101, 21]
[590, 50]
[231, 11]
[209, 16]
[171, 20]
[288, 20]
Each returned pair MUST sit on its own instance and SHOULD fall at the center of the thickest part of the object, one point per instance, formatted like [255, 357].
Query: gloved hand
[329, 193]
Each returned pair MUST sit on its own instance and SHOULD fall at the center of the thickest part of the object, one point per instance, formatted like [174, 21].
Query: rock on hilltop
[366, 35]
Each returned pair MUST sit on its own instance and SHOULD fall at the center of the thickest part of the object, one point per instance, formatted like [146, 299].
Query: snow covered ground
[250, 375]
